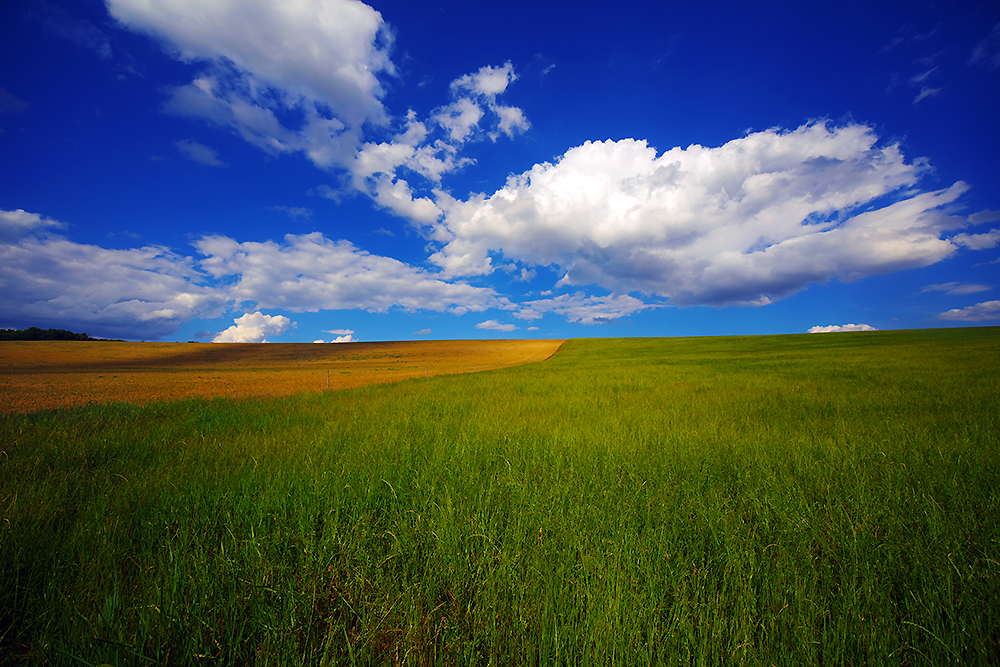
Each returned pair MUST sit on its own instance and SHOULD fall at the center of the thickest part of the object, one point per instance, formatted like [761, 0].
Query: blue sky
[303, 170]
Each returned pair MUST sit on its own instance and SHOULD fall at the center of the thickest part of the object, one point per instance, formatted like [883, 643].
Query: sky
[329, 170]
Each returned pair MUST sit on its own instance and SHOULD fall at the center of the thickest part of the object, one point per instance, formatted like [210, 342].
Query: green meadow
[823, 499]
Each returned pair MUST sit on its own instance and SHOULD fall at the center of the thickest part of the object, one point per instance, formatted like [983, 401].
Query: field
[44, 375]
[776, 500]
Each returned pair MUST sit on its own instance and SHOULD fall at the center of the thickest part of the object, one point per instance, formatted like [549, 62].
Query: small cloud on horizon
[253, 328]
[832, 328]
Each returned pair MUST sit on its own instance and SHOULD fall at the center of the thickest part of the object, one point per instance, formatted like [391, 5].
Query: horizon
[338, 171]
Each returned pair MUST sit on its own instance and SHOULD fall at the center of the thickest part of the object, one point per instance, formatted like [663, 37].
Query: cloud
[306, 53]
[493, 325]
[582, 309]
[263, 60]
[149, 292]
[988, 50]
[81, 32]
[984, 216]
[342, 335]
[746, 223]
[296, 213]
[841, 327]
[49, 281]
[310, 272]
[254, 328]
[475, 94]
[423, 332]
[956, 289]
[17, 224]
[199, 153]
[304, 77]
[981, 312]
[925, 92]
[978, 241]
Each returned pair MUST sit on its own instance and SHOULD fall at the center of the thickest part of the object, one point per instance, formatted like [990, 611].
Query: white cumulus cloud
[17, 224]
[583, 309]
[254, 328]
[747, 223]
[310, 273]
[50, 281]
[981, 312]
[978, 241]
[318, 60]
[493, 325]
[841, 327]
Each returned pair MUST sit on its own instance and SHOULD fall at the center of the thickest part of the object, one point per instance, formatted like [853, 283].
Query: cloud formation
[310, 273]
[17, 224]
[319, 62]
[750, 222]
[833, 328]
[199, 153]
[254, 328]
[981, 312]
[47, 280]
[956, 288]
[583, 309]
[493, 325]
[342, 336]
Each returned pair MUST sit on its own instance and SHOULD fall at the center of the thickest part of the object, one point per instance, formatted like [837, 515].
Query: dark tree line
[34, 333]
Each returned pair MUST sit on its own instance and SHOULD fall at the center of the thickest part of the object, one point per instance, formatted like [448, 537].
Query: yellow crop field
[57, 374]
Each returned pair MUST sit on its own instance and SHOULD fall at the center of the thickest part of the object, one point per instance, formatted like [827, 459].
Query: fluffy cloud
[17, 224]
[475, 95]
[254, 328]
[311, 273]
[199, 153]
[264, 60]
[319, 62]
[981, 312]
[493, 325]
[136, 293]
[583, 309]
[841, 327]
[749, 222]
[342, 335]
[978, 241]
[50, 281]
[322, 51]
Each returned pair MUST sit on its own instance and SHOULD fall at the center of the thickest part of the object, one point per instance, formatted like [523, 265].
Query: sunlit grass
[815, 499]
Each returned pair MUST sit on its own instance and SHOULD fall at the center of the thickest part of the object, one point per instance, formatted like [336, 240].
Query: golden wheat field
[57, 374]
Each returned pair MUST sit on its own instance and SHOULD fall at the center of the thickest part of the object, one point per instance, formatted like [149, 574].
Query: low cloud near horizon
[832, 328]
[254, 328]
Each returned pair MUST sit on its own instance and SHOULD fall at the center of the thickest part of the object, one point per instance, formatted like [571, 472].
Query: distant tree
[34, 333]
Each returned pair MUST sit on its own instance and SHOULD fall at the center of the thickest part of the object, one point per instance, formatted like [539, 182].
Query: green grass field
[809, 499]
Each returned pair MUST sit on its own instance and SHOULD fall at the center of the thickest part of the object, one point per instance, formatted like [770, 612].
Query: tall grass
[815, 499]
